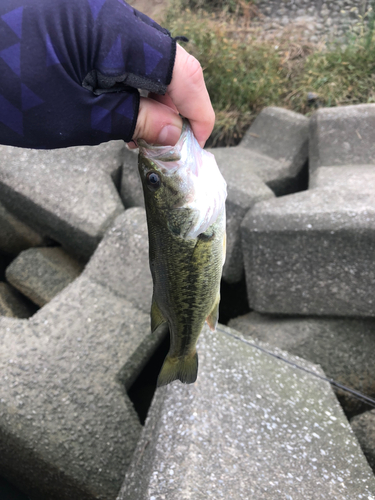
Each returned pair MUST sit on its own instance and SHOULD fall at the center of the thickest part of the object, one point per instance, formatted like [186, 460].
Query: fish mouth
[166, 153]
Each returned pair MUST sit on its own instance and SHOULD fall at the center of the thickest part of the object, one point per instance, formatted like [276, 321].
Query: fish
[184, 195]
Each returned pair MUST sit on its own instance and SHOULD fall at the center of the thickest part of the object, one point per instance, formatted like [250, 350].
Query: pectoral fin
[213, 317]
[157, 317]
[182, 221]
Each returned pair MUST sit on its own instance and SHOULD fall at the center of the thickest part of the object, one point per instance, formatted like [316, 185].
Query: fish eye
[153, 181]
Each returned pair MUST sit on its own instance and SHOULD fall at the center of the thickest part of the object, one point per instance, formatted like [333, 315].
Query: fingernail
[169, 135]
[131, 145]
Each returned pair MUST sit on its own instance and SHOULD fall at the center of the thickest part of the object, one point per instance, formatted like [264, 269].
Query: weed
[244, 74]
[232, 6]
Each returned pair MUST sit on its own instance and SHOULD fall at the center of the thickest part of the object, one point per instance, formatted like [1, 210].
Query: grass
[244, 74]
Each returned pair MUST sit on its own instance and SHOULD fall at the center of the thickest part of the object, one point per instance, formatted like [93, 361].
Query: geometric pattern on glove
[152, 58]
[11, 116]
[14, 20]
[12, 57]
[96, 7]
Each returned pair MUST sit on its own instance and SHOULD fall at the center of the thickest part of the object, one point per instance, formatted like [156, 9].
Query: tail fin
[185, 369]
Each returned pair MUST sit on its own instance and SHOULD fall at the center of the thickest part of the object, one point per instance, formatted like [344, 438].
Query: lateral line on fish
[356, 394]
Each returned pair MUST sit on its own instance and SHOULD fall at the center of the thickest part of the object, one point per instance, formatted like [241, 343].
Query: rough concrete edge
[144, 453]
[313, 146]
[130, 371]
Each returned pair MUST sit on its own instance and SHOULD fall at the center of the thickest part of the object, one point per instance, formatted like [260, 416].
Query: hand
[76, 82]
[158, 119]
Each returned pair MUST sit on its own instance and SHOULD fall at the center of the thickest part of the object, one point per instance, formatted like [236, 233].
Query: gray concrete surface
[342, 136]
[364, 428]
[121, 259]
[278, 144]
[342, 347]
[41, 273]
[250, 427]
[68, 195]
[313, 252]
[67, 427]
[15, 235]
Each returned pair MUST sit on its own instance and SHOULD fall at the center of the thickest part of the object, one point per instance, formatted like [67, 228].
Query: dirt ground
[152, 8]
[251, 24]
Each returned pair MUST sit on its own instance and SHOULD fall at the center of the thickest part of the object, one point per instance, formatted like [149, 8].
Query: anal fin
[157, 317]
[213, 318]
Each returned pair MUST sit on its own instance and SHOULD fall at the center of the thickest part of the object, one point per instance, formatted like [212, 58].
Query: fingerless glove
[70, 70]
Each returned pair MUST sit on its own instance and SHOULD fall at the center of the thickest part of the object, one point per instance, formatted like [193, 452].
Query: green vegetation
[244, 74]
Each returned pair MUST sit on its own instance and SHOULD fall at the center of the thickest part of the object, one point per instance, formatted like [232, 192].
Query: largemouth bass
[185, 205]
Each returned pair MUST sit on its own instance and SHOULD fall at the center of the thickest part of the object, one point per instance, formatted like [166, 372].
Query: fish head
[163, 189]
[182, 184]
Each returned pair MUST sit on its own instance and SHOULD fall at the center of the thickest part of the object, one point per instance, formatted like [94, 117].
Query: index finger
[189, 94]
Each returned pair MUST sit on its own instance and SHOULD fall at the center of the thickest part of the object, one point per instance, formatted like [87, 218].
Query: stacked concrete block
[41, 273]
[342, 347]
[275, 148]
[67, 427]
[250, 427]
[313, 252]
[68, 195]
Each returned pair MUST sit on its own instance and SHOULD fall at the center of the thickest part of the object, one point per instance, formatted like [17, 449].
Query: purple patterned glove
[70, 70]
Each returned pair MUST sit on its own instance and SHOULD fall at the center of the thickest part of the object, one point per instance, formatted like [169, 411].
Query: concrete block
[131, 185]
[342, 347]
[15, 235]
[245, 188]
[313, 252]
[12, 304]
[342, 136]
[65, 194]
[121, 259]
[252, 426]
[364, 429]
[67, 427]
[352, 178]
[41, 273]
[278, 147]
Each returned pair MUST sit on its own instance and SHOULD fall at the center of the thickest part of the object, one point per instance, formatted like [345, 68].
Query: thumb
[157, 123]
